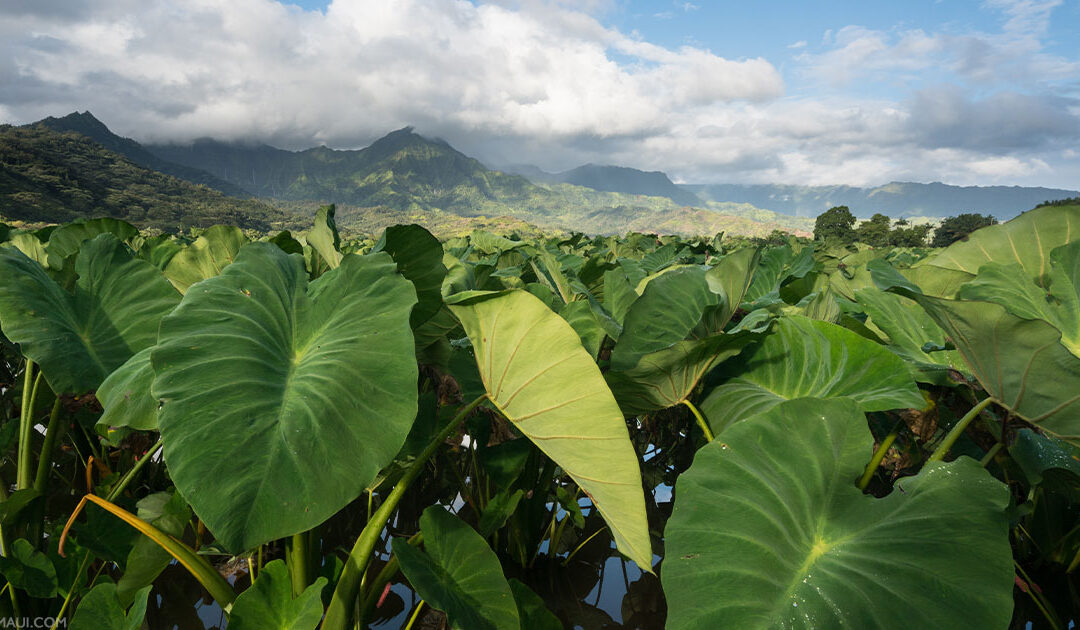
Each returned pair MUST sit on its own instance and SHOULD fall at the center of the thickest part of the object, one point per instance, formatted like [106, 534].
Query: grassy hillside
[49, 176]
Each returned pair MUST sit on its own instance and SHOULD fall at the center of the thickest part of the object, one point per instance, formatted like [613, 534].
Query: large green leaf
[266, 382]
[100, 609]
[269, 603]
[1056, 301]
[540, 377]
[28, 569]
[769, 531]
[66, 239]
[1020, 362]
[325, 253]
[531, 608]
[667, 377]
[909, 330]
[126, 397]
[79, 339]
[459, 575]
[168, 512]
[419, 256]
[214, 250]
[1026, 240]
[669, 308]
[803, 357]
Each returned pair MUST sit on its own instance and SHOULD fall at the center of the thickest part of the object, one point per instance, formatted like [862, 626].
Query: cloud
[550, 83]
[241, 68]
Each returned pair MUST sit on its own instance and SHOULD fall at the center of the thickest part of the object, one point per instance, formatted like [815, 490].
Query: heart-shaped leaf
[769, 530]
[214, 250]
[1021, 363]
[1026, 240]
[269, 603]
[80, 338]
[459, 574]
[537, 373]
[910, 329]
[419, 256]
[100, 609]
[803, 357]
[266, 381]
[126, 397]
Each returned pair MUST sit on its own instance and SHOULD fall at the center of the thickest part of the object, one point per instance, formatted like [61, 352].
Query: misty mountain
[620, 179]
[89, 126]
[401, 170]
[897, 199]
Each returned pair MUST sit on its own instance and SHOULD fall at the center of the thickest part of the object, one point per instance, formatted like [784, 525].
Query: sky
[775, 91]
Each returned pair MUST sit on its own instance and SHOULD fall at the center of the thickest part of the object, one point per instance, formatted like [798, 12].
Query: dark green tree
[836, 222]
[874, 231]
[904, 234]
[955, 228]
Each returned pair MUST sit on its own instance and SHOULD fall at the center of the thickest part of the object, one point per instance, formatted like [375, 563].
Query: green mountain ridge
[50, 176]
[61, 169]
[89, 126]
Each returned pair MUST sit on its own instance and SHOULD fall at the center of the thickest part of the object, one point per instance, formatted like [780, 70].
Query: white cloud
[549, 83]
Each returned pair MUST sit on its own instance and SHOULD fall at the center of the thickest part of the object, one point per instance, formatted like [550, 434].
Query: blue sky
[837, 92]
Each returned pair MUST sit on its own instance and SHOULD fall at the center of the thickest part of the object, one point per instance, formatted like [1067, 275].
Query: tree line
[880, 231]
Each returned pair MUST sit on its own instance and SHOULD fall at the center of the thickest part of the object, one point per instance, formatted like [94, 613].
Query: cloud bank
[550, 84]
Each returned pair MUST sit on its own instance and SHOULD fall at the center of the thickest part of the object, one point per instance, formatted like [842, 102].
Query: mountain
[897, 199]
[422, 179]
[401, 170]
[619, 179]
[51, 176]
[89, 126]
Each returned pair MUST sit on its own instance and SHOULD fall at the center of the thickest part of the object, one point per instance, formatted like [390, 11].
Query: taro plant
[496, 432]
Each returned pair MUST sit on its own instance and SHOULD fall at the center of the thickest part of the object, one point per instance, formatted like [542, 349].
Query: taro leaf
[30, 246]
[14, 507]
[419, 256]
[730, 279]
[540, 377]
[28, 569]
[580, 315]
[1026, 240]
[459, 575]
[1055, 302]
[269, 603]
[324, 241]
[532, 611]
[80, 339]
[265, 379]
[802, 357]
[168, 512]
[769, 531]
[665, 378]
[206, 257]
[1019, 362]
[66, 239]
[669, 308]
[1048, 462]
[125, 395]
[910, 329]
[100, 609]
[619, 294]
[500, 508]
[287, 243]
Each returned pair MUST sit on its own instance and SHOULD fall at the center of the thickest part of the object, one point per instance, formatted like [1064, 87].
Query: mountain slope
[619, 179]
[897, 199]
[86, 124]
[50, 176]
